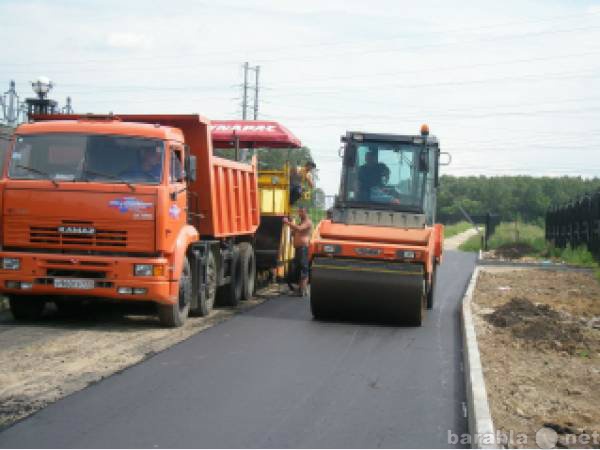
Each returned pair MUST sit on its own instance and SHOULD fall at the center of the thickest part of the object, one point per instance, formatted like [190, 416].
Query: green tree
[509, 196]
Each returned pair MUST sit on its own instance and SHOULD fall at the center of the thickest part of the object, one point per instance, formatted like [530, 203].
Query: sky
[508, 87]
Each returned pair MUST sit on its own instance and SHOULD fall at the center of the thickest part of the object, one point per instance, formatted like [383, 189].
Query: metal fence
[576, 223]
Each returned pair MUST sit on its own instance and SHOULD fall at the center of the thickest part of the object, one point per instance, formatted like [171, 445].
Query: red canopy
[252, 133]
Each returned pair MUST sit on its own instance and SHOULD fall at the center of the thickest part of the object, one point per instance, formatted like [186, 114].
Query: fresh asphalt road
[273, 377]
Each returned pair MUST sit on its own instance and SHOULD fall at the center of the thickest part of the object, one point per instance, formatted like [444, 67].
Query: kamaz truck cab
[380, 249]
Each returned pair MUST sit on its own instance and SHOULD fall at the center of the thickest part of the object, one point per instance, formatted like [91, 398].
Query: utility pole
[68, 108]
[245, 92]
[246, 87]
[256, 71]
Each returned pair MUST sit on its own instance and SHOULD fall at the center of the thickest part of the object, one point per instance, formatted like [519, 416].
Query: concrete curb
[481, 426]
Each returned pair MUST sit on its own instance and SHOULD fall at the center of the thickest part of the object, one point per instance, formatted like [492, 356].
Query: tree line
[523, 198]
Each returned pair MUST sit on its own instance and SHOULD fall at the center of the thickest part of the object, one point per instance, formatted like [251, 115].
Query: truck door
[177, 189]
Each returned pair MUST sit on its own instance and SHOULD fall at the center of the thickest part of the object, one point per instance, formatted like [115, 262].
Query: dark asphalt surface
[273, 377]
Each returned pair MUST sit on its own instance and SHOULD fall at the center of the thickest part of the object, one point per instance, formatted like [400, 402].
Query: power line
[287, 48]
[313, 56]
[87, 88]
[351, 90]
[446, 68]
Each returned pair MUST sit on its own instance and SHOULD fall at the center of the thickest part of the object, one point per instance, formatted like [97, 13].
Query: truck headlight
[148, 270]
[11, 263]
[142, 270]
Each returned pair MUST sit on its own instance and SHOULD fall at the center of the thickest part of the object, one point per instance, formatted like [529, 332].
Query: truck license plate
[66, 283]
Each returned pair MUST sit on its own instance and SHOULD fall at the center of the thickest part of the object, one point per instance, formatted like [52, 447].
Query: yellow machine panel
[274, 190]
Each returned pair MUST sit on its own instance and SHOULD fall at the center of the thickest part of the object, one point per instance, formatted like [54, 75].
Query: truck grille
[102, 238]
[75, 273]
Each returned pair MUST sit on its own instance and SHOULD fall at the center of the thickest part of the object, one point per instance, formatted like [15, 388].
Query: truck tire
[431, 290]
[172, 316]
[248, 267]
[207, 298]
[26, 308]
[230, 294]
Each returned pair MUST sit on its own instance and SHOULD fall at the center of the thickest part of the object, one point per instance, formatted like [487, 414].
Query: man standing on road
[301, 236]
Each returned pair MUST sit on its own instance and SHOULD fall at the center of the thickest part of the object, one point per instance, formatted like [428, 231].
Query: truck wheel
[25, 307]
[175, 315]
[248, 267]
[431, 290]
[230, 294]
[207, 298]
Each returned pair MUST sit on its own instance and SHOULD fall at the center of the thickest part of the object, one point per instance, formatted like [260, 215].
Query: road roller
[376, 256]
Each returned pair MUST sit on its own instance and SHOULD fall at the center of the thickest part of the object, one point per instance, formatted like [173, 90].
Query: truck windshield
[76, 157]
[386, 174]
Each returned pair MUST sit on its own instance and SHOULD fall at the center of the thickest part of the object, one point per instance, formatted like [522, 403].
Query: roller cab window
[385, 175]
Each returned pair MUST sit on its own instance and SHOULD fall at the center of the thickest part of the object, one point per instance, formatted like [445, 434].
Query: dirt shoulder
[539, 338]
[47, 360]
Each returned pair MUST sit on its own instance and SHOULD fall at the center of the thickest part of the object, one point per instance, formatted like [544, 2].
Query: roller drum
[360, 289]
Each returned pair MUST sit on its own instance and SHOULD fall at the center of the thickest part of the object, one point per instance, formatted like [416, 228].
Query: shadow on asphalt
[112, 317]
[279, 308]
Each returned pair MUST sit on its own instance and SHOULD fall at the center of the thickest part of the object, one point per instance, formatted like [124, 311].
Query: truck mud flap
[369, 290]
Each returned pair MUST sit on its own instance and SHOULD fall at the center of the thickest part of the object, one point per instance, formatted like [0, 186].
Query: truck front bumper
[110, 277]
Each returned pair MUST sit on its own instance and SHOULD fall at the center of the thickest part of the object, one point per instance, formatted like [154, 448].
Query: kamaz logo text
[76, 230]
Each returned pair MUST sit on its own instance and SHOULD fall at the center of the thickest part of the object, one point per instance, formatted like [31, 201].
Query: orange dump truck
[128, 208]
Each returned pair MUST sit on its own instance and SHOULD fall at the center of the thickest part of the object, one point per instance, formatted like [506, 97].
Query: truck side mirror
[190, 167]
[350, 155]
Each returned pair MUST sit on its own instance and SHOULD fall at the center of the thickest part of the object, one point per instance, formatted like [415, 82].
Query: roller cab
[375, 258]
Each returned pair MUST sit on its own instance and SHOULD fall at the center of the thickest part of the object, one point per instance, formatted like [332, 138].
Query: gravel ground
[47, 360]
[539, 338]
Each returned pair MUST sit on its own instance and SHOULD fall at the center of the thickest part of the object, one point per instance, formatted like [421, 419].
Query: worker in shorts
[301, 238]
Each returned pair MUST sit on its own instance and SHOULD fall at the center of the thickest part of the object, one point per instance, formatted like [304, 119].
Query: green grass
[456, 228]
[473, 244]
[529, 240]
[525, 235]
[579, 256]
